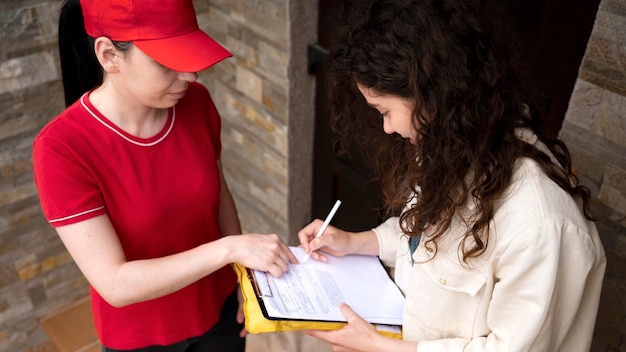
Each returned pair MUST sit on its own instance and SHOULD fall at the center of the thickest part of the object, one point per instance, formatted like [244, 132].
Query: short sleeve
[68, 193]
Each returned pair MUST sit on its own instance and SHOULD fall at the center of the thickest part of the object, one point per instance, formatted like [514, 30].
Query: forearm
[97, 251]
[141, 280]
[365, 243]
[398, 346]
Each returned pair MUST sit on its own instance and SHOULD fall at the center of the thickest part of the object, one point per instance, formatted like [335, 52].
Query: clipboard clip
[255, 284]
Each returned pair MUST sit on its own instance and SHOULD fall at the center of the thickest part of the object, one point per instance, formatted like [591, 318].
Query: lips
[178, 95]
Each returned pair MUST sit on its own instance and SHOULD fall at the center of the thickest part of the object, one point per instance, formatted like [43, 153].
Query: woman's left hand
[240, 316]
[358, 335]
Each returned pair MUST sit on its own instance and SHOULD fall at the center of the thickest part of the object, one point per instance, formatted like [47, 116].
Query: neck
[133, 118]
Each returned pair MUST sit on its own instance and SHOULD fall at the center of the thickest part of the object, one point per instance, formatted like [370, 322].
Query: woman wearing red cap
[130, 177]
[495, 248]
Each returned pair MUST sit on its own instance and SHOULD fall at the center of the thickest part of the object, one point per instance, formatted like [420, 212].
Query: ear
[107, 54]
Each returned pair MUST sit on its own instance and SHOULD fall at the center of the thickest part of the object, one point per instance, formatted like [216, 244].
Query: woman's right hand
[333, 241]
[336, 242]
[261, 252]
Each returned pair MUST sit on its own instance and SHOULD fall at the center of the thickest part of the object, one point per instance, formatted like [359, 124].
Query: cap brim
[191, 52]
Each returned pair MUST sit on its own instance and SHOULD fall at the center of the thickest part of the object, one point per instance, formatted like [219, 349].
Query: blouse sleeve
[388, 234]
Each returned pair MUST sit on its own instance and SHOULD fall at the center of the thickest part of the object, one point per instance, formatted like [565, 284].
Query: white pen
[320, 232]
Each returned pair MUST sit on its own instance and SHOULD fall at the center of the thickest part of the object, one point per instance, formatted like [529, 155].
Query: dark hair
[80, 69]
[469, 99]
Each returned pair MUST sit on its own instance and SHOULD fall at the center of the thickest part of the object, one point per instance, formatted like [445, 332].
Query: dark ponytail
[80, 68]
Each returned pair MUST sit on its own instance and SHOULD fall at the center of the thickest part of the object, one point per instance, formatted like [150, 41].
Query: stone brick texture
[265, 98]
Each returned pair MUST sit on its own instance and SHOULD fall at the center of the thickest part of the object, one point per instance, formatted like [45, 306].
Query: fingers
[265, 252]
[285, 256]
[277, 270]
[279, 257]
[240, 315]
[325, 335]
[317, 254]
[241, 319]
[291, 258]
[348, 313]
[357, 335]
[336, 338]
[310, 243]
[307, 234]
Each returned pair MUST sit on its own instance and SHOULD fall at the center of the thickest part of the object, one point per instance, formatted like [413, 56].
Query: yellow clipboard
[256, 322]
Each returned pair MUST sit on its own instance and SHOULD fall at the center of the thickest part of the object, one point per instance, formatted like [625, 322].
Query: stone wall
[36, 273]
[595, 131]
[266, 99]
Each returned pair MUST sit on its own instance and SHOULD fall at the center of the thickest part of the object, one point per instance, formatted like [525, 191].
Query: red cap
[166, 30]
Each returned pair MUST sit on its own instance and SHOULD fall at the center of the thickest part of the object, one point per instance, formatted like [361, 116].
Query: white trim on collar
[169, 129]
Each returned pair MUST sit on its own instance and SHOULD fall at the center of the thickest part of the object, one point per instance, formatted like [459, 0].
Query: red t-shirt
[162, 196]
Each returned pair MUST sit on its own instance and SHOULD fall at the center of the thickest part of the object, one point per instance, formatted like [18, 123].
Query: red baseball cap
[166, 30]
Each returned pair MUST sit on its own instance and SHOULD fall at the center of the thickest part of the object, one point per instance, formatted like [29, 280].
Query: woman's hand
[333, 241]
[261, 252]
[359, 336]
[336, 242]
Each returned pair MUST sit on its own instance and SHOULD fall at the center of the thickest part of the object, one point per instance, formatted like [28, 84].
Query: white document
[313, 290]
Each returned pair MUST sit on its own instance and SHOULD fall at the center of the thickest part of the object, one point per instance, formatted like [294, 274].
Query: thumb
[240, 314]
[315, 244]
[348, 313]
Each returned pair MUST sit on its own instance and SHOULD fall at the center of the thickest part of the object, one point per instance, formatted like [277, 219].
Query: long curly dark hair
[469, 99]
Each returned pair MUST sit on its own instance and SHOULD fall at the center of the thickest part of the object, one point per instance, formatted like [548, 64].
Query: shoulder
[68, 123]
[534, 206]
[530, 186]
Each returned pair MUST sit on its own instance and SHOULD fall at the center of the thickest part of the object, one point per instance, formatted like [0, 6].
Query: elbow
[116, 298]
[116, 302]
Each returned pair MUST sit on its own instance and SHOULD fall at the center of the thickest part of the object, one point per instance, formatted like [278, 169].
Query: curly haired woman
[495, 247]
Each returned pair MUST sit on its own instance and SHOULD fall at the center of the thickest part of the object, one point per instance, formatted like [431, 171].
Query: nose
[188, 76]
[387, 126]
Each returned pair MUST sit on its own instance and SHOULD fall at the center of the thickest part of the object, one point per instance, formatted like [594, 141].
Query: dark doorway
[551, 36]
[338, 177]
